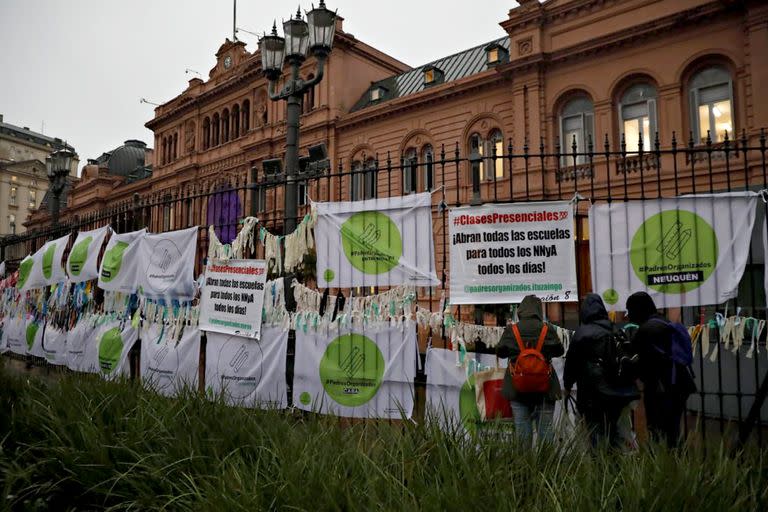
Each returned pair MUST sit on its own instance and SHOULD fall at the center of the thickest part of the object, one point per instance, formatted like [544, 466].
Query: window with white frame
[637, 116]
[495, 152]
[12, 199]
[427, 168]
[477, 148]
[364, 180]
[410, 169]
[711, 98]
[12, 223]
[576, 126]
[32, 199]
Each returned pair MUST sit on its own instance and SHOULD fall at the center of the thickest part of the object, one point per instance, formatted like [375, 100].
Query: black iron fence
[731, 388]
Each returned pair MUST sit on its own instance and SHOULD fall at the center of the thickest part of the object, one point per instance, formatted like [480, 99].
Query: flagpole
[234, 21]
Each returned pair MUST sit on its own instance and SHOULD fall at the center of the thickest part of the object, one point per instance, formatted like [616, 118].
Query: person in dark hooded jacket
[530, 408]
[588, 348]
[664, 405]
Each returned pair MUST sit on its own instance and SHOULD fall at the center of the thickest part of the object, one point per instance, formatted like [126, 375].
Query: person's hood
[640, 307]
[530, 307]
[593, 309]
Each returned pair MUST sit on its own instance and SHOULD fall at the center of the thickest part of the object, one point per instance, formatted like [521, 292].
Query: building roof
[454, 67]
[33, 137]
[127, 160]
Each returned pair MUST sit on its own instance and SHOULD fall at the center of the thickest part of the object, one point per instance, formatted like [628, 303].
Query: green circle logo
[328, 275]
[24, 270]
[372, 242]
[112, 261]
[468, 411]
[611, 296]
[48, 255]
[78, 255]
[352, 369]
[305, 398]
[110, 349]
[31, 333]
[674, 251]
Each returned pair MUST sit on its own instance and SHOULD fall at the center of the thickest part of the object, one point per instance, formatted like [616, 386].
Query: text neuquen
[509, 218]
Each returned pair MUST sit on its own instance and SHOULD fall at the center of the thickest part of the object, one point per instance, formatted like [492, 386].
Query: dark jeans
[603, 427]
[663, 412]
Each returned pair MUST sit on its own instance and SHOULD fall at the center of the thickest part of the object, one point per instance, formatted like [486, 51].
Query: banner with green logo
[119, 264]
[82, 263]
[33, 336]
[451, 398]
[246, 372]
[377, 242]
[685, 251]
[356, 373]
[166, 264]
[44, 267]
[114, 340]
[55, 345]
[169, 360]
[82, 352]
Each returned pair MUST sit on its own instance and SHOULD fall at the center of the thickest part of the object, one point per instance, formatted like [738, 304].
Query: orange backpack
[531, 371]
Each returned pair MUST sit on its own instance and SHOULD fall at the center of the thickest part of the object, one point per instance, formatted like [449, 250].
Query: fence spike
[762, 139]
[674, 141]
[709, 140]
[623, 145]
[656, 143]
[456, 151]
[590, 147]
[442, 153]
[606, 144]
[690, 139]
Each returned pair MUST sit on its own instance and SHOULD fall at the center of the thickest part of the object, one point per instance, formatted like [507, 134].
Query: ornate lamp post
[57, 166]
[313, 36]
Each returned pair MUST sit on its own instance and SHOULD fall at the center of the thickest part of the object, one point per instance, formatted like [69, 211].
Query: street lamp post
[316, 36]
[57, 166]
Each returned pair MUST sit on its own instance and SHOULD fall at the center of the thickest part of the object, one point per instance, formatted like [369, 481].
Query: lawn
[80, 443]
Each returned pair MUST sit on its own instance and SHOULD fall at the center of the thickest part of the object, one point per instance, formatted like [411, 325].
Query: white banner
[232, 297]
[246, 372]
[114, 339]
[33, 335]
[168, 365]
[357, 373]
[82, 263]
[377, 242]
[502, 252]
[686, 251]
[119, 265]
[55, 345]
[451, 400]
[167, 264]
[82, 351]
[44, 267]
[14, 334]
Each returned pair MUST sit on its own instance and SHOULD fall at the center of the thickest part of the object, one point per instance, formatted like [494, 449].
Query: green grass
[80, 443]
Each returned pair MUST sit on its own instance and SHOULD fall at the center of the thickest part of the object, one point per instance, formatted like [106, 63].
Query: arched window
[410, 165]
[427, 169]
[206, 133]
[225, 126]
[246, 116]
[216, 128]
[164, 152]
[637, 116]
[175, 145]
[495, 152]
[236, 121]
[711, 98]
[364, 179]
[577, 120]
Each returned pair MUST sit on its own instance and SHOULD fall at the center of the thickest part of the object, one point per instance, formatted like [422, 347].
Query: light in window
[14, 178]
[429, 76]
[493, 55]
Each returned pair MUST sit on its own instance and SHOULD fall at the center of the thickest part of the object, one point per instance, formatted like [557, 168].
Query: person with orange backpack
[531, 384]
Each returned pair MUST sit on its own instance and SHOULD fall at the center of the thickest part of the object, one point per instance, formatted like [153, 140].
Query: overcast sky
[76, 69]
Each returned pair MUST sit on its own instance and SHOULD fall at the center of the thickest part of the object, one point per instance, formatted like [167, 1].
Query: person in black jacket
[664, 406]
[530, 408]
[586, 349]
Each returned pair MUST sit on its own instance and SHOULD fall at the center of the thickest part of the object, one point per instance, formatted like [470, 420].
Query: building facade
[593, 88]
[23, 178]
